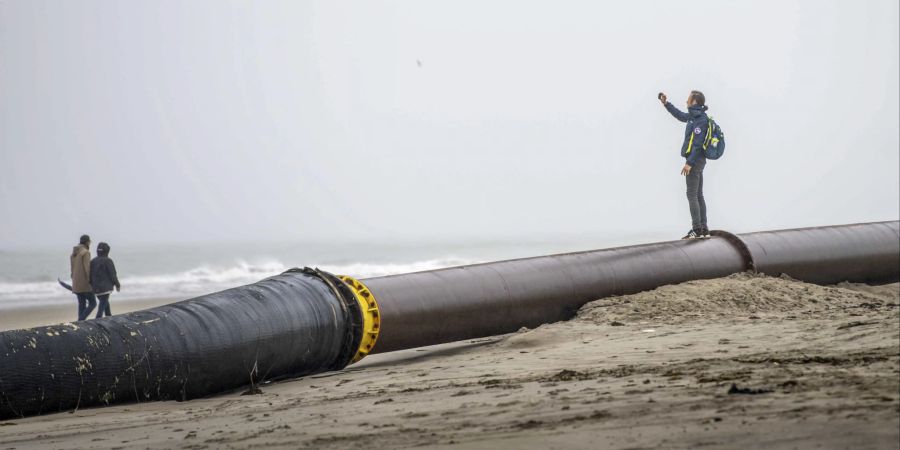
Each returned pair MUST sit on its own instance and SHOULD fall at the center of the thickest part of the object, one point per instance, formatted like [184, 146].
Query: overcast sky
[198, 121]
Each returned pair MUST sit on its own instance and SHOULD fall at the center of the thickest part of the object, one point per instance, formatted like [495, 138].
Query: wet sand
[11, 319]
[744, 362]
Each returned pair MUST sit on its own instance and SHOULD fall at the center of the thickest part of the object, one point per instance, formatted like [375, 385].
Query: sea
[28, 278]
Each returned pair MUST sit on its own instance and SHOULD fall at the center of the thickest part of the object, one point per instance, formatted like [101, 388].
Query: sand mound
[740, 295]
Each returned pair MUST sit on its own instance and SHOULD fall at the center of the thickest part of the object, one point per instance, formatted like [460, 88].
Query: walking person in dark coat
[80, 263]
[103, 278]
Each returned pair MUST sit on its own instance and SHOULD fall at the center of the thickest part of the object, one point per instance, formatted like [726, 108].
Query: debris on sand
[734, 389]
[569, 375]
[253, 390]
[857, 323]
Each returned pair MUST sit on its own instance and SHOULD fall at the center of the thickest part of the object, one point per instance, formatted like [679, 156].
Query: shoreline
[34, 316]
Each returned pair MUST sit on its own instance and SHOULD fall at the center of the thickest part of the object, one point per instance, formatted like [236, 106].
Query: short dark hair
[84, 239]
[103, 249]
[698, 97]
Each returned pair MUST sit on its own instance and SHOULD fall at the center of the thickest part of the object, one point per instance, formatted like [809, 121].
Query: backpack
[714, 145]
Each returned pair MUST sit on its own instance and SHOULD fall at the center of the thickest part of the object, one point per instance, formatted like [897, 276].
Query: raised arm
[676, 113]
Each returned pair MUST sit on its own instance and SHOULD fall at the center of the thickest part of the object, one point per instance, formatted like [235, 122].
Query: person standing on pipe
[80, 263]
[103, 278]
[695, 131]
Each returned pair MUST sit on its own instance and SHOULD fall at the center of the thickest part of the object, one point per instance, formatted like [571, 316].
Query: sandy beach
[746, 361]
[14, 318]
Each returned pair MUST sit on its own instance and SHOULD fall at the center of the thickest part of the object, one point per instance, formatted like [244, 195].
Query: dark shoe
[693, 234]
[704, 232]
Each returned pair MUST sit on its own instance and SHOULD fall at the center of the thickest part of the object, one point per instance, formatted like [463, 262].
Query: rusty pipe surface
[446, 305]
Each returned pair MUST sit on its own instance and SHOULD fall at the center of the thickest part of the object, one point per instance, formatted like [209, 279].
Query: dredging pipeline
[307, 321]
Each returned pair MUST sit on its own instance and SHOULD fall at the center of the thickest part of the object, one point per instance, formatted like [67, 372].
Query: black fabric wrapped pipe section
[287, 325]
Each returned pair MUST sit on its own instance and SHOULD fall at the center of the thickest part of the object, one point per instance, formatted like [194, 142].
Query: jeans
[86, 304]
[103, 307]
[695, 195]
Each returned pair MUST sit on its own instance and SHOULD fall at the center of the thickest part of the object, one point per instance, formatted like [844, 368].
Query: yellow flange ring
[371, 318]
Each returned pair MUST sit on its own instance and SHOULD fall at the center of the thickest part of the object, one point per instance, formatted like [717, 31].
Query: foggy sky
[395, 120]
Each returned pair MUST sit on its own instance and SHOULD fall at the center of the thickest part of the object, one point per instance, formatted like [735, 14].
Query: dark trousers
[103, 307]
[86, 304]
[695, 195]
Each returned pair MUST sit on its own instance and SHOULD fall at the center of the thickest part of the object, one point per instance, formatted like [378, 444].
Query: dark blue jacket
[103, 275]
[695, 129]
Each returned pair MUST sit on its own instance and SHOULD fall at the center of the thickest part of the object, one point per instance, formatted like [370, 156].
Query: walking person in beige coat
[80, 262]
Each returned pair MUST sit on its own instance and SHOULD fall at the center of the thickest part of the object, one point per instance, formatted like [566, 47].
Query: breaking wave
[197, 281]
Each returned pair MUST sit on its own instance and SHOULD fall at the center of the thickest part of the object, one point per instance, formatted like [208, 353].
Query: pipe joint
[352, 310]
[740, 245]
[370, 316]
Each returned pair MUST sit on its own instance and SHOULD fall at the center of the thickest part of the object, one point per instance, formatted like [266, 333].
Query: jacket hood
[76, 250]
[697, 110]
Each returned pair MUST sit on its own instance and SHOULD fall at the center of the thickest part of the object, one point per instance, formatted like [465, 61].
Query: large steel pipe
[448, 305]
[860, 253]
[457, 303]
[308, 321]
